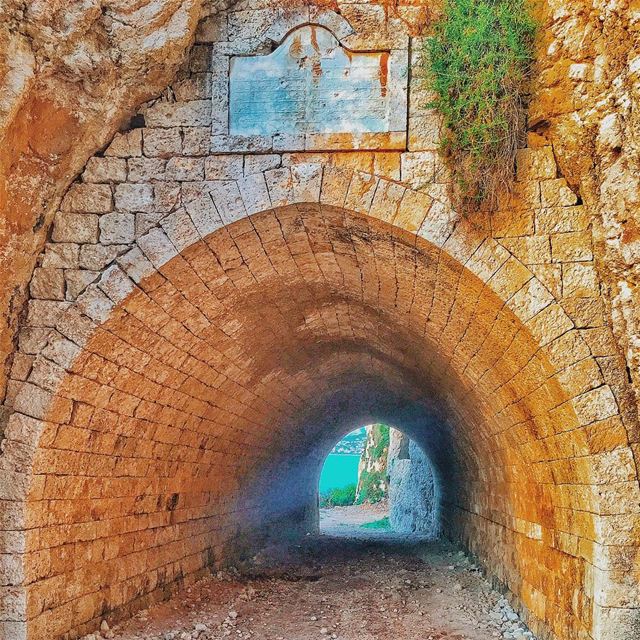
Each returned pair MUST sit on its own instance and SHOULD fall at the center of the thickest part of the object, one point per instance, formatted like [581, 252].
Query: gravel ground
[348, 584]
[361, 585]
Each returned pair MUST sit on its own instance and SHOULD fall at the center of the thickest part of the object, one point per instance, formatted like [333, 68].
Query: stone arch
[489, 325]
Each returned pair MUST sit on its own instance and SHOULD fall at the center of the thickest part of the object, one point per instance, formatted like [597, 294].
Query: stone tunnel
[217, 301]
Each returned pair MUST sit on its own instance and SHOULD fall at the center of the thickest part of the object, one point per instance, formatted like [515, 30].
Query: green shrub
[383, 523]
[372, 486]
[478, 62]
[339, 497]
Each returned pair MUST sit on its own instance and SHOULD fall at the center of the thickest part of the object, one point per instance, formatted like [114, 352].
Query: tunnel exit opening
[378, 480]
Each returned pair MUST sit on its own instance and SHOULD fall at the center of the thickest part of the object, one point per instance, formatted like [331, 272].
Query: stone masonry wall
[193, 301]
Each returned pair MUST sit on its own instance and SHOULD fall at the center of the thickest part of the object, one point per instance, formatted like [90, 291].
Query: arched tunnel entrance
[220, 378]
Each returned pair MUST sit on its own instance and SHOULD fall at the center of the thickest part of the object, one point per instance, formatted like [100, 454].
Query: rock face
[372, 470]
[586, 103]
[413, 499]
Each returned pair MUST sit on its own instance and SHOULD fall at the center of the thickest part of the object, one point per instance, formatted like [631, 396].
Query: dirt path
[386, 588]
[348, 520]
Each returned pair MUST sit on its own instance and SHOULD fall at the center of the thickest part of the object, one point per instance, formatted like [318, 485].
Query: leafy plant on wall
[479, 60]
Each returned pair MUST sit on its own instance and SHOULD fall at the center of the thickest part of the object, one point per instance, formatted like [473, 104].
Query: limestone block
[586, 312]
[306, 180]
[530, 300]
[225, 167]
[21, 366]
[199, 57]
[464, 241]
[512, 223]
[567, 349]
[162, 143]
[116, 284]
[286, 19]
[335, 185]
[581, 377]
[95, 304]
[557, 193]
[134, 197]
[289, 141]
[331, 20]
[572, 247]
[279, 183]
[241, 144]
[535, 164]
[195, 113]
[220, 95]
[529, 249]
[126, 145]
[596, 404]
[255, 193]
[61, 351]
[76, 326]
[89, 198]
[418, 168]
[117, 228]
[32, 340]
[96, 256]
[424, 131]
[413, 210]
[203, 214]
[562, 219]
[195, 141]
[185, 169]
[180, 229]
[157, 247]
[61, 255]
[77, 280]
[146, 169]
[136, 265]
[580, 280]
[166, 197]
[439, 223]
[78, 228]
[261, 163]
[361, 191]
[36, 402]
[46, 374]
[106, 169]
[226, 196]
[47, 284]
[510, 278]
[487, 259]
[386, 200]
[550, 275]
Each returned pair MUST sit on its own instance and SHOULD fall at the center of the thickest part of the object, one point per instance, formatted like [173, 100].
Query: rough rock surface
[412, 489]
[586, 102]
[342, 588]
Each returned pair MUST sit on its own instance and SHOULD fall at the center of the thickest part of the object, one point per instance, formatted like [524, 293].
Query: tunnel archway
[181, 386]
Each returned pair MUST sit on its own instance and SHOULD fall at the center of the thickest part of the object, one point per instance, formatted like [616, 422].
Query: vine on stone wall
[479, 59]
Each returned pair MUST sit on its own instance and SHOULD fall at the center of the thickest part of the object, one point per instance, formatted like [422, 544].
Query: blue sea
[339, 470]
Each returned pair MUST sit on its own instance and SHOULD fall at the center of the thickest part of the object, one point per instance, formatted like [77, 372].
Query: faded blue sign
[309, 84]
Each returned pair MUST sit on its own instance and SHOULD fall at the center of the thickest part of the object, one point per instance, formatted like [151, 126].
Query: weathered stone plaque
[316, 94]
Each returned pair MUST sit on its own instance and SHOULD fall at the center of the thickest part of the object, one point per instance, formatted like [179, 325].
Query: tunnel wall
[161, 239]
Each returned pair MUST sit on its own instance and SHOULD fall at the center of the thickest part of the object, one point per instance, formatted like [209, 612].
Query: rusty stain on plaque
[310, 85]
